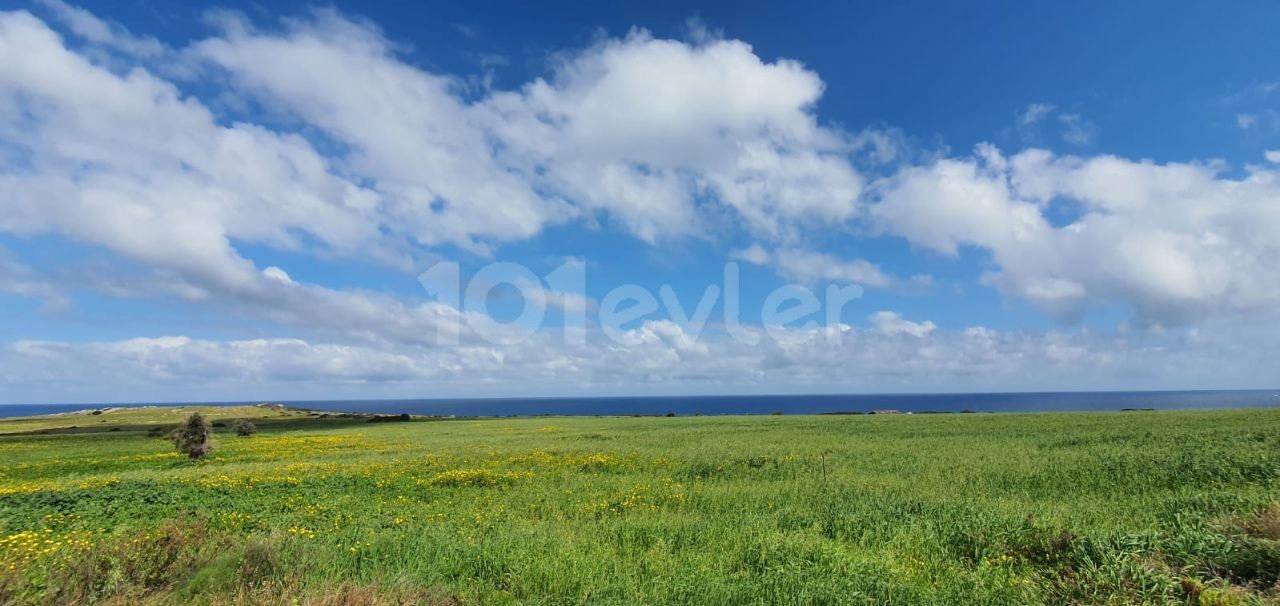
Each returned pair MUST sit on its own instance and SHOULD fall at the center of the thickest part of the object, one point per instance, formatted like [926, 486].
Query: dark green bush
[194, 437]
[243, 427]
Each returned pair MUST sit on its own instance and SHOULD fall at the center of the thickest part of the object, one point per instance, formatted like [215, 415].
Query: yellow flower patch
[478, 477]
[27, 547]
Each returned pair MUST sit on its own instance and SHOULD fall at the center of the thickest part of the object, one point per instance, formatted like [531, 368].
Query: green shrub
[243, 427]
[194, 437]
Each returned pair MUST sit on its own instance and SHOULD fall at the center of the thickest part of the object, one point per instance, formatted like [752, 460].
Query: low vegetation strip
[1079, 508]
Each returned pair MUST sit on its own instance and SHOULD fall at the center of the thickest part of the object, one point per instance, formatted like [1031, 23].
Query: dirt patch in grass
[1263, 523]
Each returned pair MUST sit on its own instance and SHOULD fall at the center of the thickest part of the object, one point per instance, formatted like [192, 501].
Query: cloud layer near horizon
[893, 354]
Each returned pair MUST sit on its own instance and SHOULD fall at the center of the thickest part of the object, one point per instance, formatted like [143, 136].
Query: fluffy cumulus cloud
[637, 129]
[1177, 242]
[645, 128]
[657, 135]
[126, 160]
[127, 163]
[405, 130]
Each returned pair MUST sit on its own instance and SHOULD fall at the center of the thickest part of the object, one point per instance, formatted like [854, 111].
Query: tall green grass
[1142, 507]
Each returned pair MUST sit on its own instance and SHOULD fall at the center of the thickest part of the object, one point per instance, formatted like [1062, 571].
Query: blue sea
[755, 404]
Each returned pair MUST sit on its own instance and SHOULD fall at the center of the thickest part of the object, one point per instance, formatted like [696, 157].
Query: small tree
[194, 437]
[243, 427]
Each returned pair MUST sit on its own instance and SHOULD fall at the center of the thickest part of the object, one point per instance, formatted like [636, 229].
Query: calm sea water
[789, 404]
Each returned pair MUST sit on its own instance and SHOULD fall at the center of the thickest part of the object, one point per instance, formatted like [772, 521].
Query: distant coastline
[741, 405]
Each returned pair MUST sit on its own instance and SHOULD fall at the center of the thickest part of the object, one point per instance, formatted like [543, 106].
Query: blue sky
[216, 201]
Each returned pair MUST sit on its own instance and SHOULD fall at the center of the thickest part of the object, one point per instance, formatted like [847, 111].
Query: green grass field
[1135, 507]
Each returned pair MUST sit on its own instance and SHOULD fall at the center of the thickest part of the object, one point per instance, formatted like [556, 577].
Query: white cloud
[407, 130]
[176, 359]
[754, 254]
[1262, 121]
[1073, 128]
[1272, 156]
[954, 202]
[1178, 242]
[638, 128]
[657, 133]
[127, 163]
[1034, 113]
[17, 278]
[97, 31]
[894, 354]
[892, 323]
[277, 274]
[645, 128]
[808, 267]
[1076, 130]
